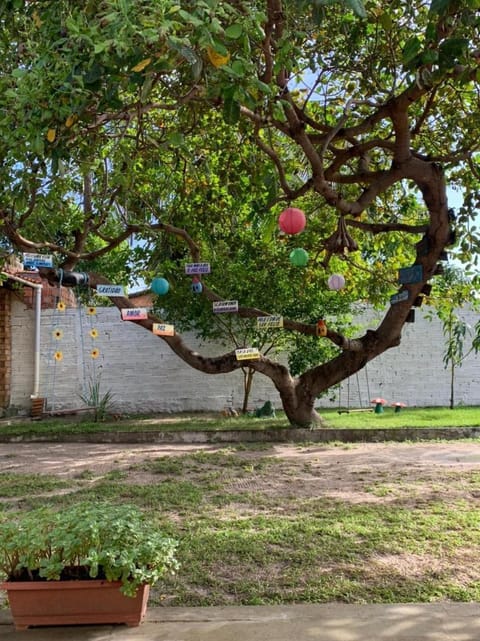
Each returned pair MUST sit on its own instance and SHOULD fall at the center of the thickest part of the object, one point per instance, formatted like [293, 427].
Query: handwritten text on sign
[264, 322]
[221, 306]
[162, 329]
[197, 268]
[247, 354]
[37, 260]
[134, 314]
[110, 290]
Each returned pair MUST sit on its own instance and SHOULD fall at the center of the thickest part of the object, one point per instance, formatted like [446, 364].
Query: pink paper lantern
[292, 220]
[336, 282]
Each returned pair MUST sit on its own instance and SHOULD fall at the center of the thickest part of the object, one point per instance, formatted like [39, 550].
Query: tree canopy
[139, 135]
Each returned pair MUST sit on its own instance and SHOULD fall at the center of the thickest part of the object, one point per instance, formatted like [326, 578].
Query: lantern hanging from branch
[336, 282]
[160, 286]
[196, 285]
[299, 257]
[292, 220]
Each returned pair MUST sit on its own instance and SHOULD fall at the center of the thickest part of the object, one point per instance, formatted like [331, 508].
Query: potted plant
[90, 563]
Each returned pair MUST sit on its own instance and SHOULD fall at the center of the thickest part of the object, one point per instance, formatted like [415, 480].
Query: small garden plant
[114, 542]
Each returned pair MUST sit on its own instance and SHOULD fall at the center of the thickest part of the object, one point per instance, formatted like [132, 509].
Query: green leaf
[231, 110]
[176, 139]
[411, 49]
[357, 7]
[386, 21]
[234, 31]
[189, 17]
[439, 6]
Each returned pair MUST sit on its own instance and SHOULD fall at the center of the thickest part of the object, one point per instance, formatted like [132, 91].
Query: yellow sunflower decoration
[91, 311]
[93, 333]
[95, 353]
[58, 334]
[58, 356]
[61, 306]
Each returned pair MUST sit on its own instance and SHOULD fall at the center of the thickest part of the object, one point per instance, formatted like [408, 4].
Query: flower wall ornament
[61, 306]
[58, 334]
[58, 356]
[93, 333]
[95, 353]
[91, 311]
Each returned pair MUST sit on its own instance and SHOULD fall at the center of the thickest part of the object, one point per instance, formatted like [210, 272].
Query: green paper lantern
[299, 257]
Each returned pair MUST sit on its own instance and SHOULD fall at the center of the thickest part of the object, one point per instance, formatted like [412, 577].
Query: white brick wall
[145, 376]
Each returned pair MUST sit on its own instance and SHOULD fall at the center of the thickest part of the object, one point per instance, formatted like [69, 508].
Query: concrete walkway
[324, 622]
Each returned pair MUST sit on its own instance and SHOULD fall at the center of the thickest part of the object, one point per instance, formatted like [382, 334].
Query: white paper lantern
[336, 282]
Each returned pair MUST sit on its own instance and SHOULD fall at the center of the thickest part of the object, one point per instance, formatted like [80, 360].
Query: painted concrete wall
[145, 376]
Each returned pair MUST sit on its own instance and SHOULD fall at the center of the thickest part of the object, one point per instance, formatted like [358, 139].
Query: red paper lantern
[292, 220]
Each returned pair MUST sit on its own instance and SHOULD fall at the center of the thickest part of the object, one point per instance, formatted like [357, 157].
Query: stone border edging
[288, 435]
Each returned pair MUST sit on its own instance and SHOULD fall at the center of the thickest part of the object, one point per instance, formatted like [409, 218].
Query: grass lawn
[408, 417]
[259, 527]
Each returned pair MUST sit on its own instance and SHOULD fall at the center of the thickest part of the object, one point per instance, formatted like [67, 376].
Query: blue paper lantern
[160, 286]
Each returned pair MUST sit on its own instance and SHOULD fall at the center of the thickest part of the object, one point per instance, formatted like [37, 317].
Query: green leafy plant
[93, 397]
[115, 542]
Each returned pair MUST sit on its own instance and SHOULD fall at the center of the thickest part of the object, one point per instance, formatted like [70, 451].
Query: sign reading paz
[265, 322]
[134, 314]
[110, 290]
[247, 354]
[197, 268]
[221, 306]
[162, 329]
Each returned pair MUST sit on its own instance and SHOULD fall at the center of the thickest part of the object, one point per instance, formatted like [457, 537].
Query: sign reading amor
[265, 322]
[134, 314]
[221, 306]
[197, 268]
[110, 290]
[247, 354]
[162, 329]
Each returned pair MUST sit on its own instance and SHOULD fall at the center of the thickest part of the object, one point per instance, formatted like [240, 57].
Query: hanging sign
[221, 306]
[408, 275]
[197, 268]
[247, 354]
[110, 290]
[162, 329]
[265, 322]
[398, 298]
[134, 313]
[37, 260]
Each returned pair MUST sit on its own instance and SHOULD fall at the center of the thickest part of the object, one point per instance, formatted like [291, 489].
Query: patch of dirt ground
[343, 472]
[408, 473]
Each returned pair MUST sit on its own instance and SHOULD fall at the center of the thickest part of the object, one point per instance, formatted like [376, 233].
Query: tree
[115, 117]
[451, 293]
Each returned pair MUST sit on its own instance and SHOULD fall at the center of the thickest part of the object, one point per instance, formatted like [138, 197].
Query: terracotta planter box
[73, 602]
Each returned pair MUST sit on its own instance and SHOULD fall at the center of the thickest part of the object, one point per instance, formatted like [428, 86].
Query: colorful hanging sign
[409, 275]
[222, 306]
[37, 260]
[197, 268]
[134, 313]
[265, 322]
[398, 298]
[162, 329]
[247, 354]
[110, 290]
